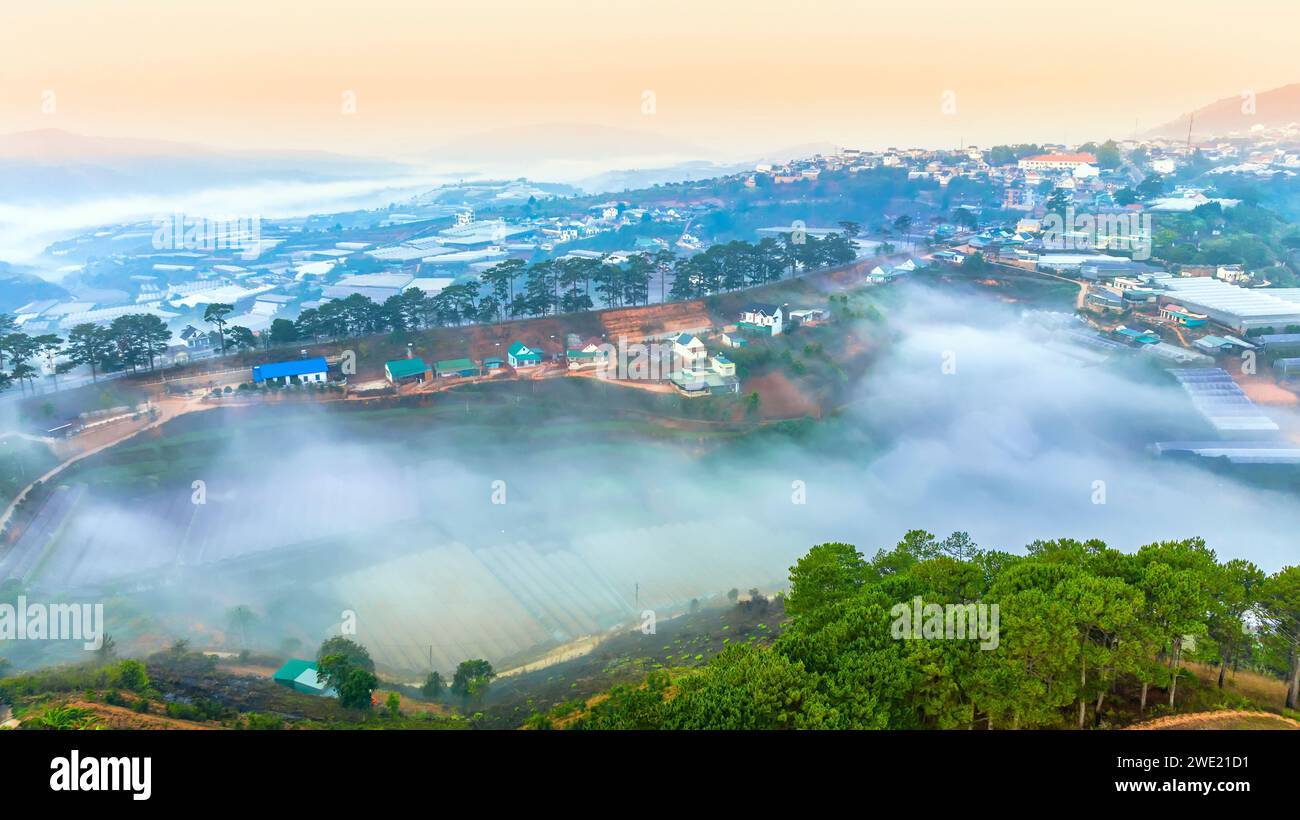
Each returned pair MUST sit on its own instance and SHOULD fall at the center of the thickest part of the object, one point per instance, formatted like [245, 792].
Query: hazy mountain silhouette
[1276, 108]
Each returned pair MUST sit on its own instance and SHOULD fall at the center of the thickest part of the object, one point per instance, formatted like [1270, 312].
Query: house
[734, 340]
[406, 370]
[1213, 344]
[1056, 162]
[586, 355]
[196, 339]
[765, 319]
[306, 371]
[689, 350]
[1180, 315]
[1232, 274]
[809, 316]
[1104, 299]
[455, 367]
[698, 381]
[1136, 336]
[521, 355]
[302, 676]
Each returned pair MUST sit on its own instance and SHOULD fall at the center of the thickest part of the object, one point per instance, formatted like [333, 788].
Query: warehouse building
[311, 371]
[1242, 309]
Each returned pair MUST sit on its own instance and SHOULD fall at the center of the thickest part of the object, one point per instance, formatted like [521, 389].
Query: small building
[689, 350]
[196, 339]
[307, 371]
[698, 382]
[1212, 344]
[1180, 315]
[588, 355]
[1287, 368]
[1104, 299]
[521, 355]
[1285, 344]
[808, 316]
[399, 371]
[302, 676]
[1136, 336]
[734, 340]
[493, 363]
[722, 365]
[765, 319]
[455, 367]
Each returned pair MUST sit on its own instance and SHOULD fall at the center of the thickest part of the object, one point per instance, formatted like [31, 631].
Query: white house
[521, 355]
[763, 317]
[808, 316]
[587, 355]
[689, 350]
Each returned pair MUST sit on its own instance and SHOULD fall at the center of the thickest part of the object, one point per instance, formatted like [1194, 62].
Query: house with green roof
[589, 354]
[455, 367]
[406, 370]
[521, 355]
[302, 676]
[695, 381]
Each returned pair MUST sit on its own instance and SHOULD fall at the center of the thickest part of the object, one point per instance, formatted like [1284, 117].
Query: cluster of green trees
[133, 341]
[1078, 621]
[515, 289]
[347, 668]
[1211, 235]
[511, 289]
[739, 264]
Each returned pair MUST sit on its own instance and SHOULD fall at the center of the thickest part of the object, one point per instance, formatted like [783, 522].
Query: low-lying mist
[444, 539]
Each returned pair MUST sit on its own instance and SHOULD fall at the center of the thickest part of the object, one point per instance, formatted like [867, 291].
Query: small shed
[401, 370]
[301, 676]
[455, 367]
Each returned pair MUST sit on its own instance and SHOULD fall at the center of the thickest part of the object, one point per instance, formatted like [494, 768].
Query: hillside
[1276, 108]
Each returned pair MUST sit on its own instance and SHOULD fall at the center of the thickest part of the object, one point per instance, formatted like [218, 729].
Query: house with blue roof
[689, 350]
[307, 371]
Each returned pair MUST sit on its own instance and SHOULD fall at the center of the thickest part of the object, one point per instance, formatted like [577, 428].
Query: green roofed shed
[300, 676]
[455, 367]
[399, 369]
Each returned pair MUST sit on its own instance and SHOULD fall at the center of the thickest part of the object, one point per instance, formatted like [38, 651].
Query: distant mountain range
[1272, 109]
[565, 141]
[50, 165]
[19, 286]
[600, 158]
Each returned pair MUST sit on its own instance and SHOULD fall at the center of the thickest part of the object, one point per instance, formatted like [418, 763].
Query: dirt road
[166, 409]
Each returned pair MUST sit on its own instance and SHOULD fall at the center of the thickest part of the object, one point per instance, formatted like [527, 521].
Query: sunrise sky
[730, 77]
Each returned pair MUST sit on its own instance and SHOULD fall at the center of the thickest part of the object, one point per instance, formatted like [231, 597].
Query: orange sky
[733, 77]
